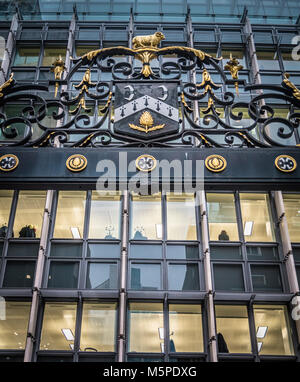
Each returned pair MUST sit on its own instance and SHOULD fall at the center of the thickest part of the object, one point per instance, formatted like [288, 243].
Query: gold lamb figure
[150, 41]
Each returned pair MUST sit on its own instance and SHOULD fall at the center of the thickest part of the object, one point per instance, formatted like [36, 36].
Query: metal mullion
[77, 333]
[164, 263]
[83, 268]
[252, 330]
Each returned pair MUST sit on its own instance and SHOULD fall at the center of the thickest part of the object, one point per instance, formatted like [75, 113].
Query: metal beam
[208, 278]
[32, 324]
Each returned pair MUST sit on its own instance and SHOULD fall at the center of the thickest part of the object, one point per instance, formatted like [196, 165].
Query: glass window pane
[262, 253]
[63, 275]
[181, 218]
[102, 276]
[145, 338]
[108, 251]
[14, 317]
[58, 329]
[23, 250]
[145, 251]
[27, 56]
[185, 322]
[273, 332]
[233, 329]
[292, 213]
[51, 54]
[19, 274]
[66, 250]
[146, 217]
[105, 216]
[186, 252]
[183, 277]
[266, 278]
[5, 204]
[145, 276]
[225, 253]
[29, 214]
[257, 222]
[296, 253]
[267, 60]
[98, 330]
[222, 217]
[70, 215]
[228, 277]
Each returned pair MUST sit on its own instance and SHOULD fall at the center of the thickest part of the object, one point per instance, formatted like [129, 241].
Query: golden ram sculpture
[150, 41]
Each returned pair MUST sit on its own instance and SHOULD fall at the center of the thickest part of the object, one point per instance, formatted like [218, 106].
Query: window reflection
[233, 329]
[273, 332]
[222, 217]
[98, 327]
[181, 220]
[256, 216]
[145, 276]
[27, 56]
[70, 215]
[102, 276]
[185, 323]
[183, 277]
[51, 54]
[146, 217]
[29, 214]
[13, 324]
[267, 60]
[105, 216]
[58, 329]
[146, 338]
[292, 213]
[5, 204]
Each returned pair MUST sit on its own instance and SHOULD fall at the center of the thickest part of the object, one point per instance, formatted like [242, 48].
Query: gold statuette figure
[58, 69]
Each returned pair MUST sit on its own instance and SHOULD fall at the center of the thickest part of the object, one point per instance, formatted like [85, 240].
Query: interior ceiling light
[248, 228]
[259, 346]
[161, 333]
[261, 331]
[75, 232]
[158, 228]
[68, 334]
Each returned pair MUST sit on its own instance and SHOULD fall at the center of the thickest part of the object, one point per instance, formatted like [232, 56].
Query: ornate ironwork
[74, 127]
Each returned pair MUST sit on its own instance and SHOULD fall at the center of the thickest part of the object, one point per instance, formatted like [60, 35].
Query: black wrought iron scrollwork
[68, 119]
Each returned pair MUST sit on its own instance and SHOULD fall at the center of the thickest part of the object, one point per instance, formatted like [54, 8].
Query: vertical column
[123, 280]
[10, 44]
[31, 331]
[208, 278]
[288, 253]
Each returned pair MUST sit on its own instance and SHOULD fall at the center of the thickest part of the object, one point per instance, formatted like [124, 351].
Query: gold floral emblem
[146, 122]
[215, 163]
[76, 162]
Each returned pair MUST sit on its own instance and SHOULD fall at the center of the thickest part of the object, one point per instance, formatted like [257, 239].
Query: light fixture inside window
[261, 331]
[259, 346]
[75, 233]
[158, 228]
[248, 228]
[162, 347]
[161, 333]
[68, 334]
[72, 346]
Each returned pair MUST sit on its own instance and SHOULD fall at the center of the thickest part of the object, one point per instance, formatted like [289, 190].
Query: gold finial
[233, 65]
[58, 67]
[289, 84]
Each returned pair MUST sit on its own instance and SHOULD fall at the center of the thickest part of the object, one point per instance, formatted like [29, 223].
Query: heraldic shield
[146, 110]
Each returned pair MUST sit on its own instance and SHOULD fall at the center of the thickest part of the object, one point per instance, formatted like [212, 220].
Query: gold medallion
[76, 162]
[215, 163]
[285, 163]
[8, 162]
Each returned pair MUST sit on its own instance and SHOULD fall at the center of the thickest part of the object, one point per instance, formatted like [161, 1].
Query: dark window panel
[185, 252]
[19, 274]
[228, 278]
[225, 253]
[296, 253]
[103, 251]
[266, 278]
[145, 251]
[88, 34]
[23, 250]
[63, 275]
[31, 34]
[183, 277]
[66, 250]
[262, 253]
